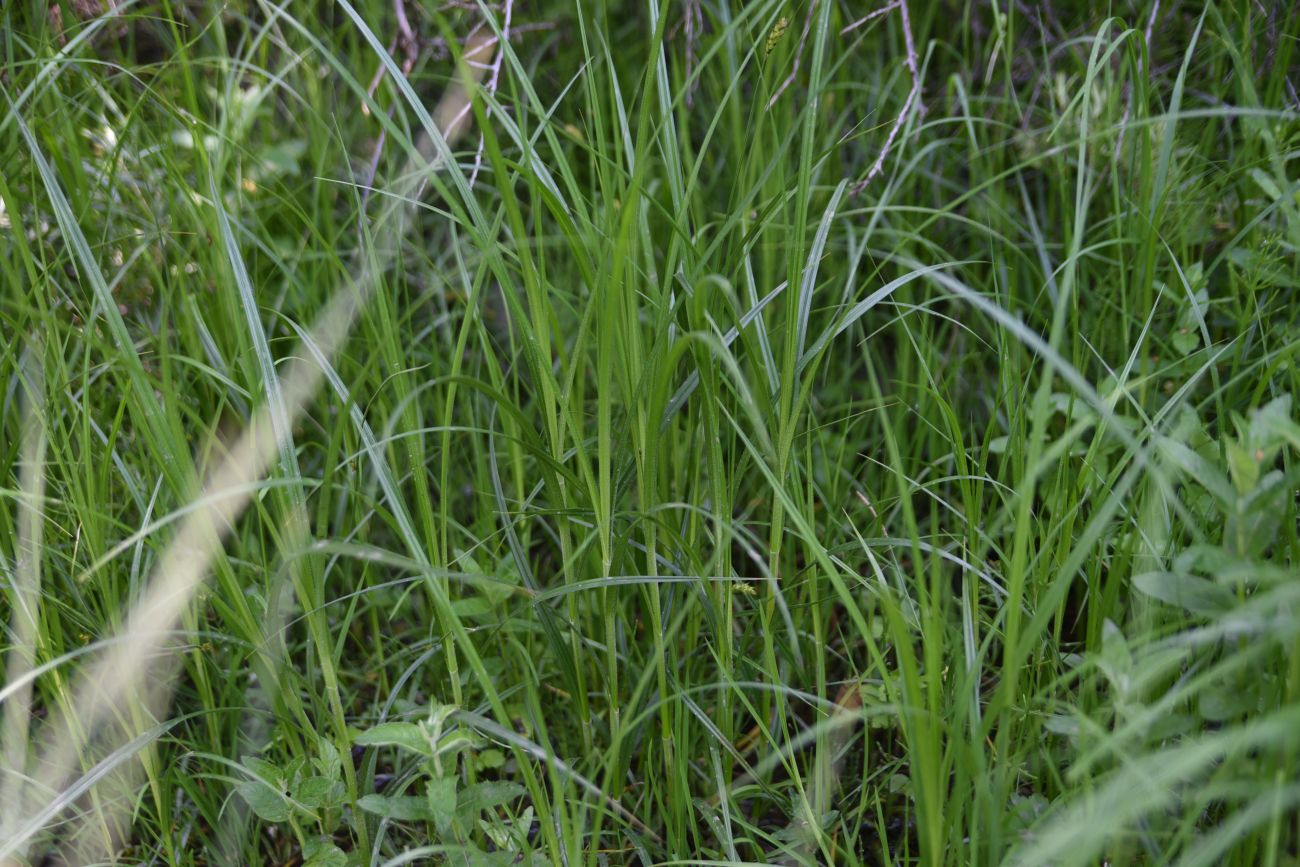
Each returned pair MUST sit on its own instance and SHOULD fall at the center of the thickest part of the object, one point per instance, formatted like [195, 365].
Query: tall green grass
[543, 436]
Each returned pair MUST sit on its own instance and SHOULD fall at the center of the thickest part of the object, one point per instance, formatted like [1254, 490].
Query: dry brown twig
[406, 40]
[913, 95]
[883, 10]
[494, 73]
[436, 47]
[410, 44]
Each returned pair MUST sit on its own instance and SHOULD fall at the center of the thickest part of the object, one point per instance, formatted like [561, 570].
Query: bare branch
[913, 96]
[493, 75]
[883, 10]
[406, 40]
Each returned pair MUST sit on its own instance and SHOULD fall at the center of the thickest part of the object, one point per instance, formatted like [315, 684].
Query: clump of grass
[693, 433]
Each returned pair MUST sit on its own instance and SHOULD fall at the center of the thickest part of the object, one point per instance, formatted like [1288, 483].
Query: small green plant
[308, 796]
[461, 816]
[436, 757]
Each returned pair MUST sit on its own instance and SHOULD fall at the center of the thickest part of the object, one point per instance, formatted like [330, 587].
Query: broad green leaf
[313, 791]
[1274, 422]
[282, 157]
[1253, 524]
[1024, 811]
[267, 803]
[1186, 339]
[486, 795]
[1197, 595]
[321, 852]
[474, 607]
[327, 759]
[1171, 726]
[1269, 428]
[294, 769]
[442, 800]
[1243, 465]
[1223, 703]
[500, 858]
[403, 808]
[457, 741]
[264, 769]
[408, 736]
[491, 759]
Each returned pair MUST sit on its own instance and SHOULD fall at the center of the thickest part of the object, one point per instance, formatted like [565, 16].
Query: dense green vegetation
[683, 432]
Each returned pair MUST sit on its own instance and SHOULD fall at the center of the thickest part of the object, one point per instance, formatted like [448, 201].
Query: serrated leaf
[408, 736]
[1269, 426]
[1197, 595]
[313, 791]
[294, 768]
[267, 803]
[264, 769]
[403, 808]
[327, 759]
[321, 852]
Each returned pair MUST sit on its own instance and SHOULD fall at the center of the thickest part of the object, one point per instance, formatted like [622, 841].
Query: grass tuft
[670, 433]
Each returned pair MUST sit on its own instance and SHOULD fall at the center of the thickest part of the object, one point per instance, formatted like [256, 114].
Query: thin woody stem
[913, 95]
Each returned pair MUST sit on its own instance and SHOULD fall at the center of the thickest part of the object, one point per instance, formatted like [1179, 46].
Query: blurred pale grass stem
[24, 628]
[114, 685]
